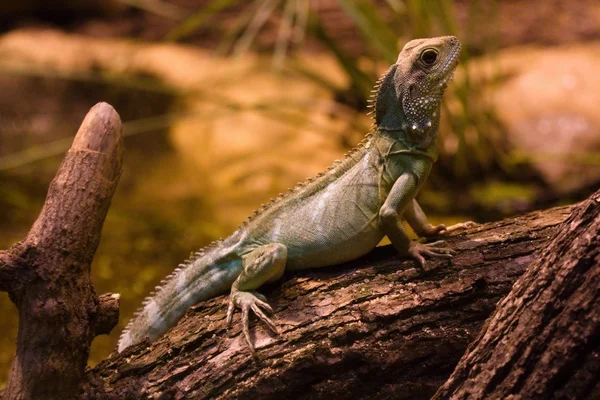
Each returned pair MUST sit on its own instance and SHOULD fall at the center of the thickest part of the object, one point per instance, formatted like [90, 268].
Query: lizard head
[409, 95]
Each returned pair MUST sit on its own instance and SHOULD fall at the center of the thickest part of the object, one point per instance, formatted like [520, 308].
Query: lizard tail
[210, 274]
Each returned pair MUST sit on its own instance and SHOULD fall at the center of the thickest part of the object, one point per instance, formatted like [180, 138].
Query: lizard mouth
[448, 79]
[449, 67]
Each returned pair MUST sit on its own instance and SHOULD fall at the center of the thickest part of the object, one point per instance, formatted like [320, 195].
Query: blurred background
[227, 103]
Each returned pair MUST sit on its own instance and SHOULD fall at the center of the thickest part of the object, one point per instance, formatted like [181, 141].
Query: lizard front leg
[263, 264]
[398, 200]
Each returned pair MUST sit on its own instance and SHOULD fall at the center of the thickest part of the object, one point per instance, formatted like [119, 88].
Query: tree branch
[543, 340]
[107, 316]
[374, 328]
[59, 311]
[8, 272]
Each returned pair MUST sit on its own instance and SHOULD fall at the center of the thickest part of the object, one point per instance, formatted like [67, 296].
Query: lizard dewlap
[336, 217]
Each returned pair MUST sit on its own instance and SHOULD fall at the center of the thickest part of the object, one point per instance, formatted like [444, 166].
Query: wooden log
[374, 328]
[47, 275]
[543, 340]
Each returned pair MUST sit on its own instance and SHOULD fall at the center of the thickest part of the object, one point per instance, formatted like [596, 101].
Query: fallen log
[374, 328]
[543, 340]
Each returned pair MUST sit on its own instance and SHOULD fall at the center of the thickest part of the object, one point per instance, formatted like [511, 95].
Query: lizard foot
[430, 230]
[247, 301]
[418, 251]
[463, 226]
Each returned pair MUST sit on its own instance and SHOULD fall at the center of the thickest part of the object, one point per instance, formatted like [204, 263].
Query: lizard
[338, 216]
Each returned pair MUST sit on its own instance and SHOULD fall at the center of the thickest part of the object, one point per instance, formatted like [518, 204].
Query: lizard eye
[429, 56]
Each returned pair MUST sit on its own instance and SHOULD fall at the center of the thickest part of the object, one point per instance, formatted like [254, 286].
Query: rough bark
[8, 277]
[543, 340]
[374, 328]
[47, 275]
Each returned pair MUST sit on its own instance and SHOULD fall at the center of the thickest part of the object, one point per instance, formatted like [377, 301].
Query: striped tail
[209, 275]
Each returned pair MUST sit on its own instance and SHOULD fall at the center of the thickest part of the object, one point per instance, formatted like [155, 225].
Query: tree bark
[47, 275]
[543, 341]
[374, 328]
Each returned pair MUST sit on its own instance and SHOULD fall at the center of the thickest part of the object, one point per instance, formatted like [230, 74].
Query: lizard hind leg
[263, 264]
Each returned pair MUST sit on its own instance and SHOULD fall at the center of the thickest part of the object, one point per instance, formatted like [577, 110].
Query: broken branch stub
[59, 311]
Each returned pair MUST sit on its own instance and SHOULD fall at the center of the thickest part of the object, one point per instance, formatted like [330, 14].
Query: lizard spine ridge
[336, 166]
[195, 257]
[334, 217]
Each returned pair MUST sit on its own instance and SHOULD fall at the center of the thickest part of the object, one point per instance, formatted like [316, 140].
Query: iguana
[336, 217]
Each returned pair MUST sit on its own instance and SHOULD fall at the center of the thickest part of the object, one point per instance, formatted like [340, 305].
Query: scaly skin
[340, 215]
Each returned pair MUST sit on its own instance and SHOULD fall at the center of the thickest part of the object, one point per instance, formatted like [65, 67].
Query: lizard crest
[409, 95]
[335, 217]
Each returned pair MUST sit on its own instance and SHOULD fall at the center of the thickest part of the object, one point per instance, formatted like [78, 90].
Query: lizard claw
[247, 301]
[439, 243]
[418, 251]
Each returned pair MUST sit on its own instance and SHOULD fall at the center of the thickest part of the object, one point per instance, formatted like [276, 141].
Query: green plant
[384, 28]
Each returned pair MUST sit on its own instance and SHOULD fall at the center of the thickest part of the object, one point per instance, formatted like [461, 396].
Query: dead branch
[48, 274]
